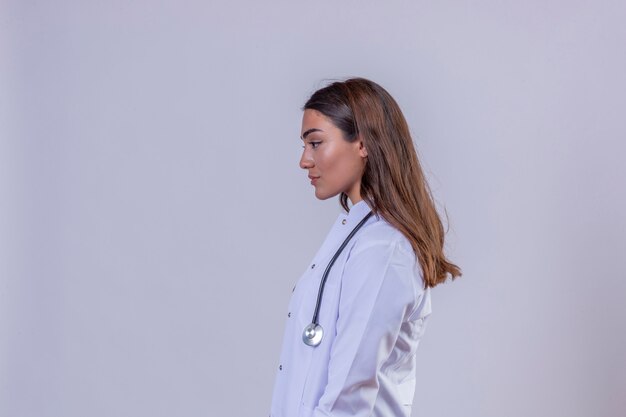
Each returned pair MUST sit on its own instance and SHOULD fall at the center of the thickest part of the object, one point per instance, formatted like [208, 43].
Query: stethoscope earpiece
[313, 333]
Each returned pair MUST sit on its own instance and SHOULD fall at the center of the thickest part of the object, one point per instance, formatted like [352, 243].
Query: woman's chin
[321, 195]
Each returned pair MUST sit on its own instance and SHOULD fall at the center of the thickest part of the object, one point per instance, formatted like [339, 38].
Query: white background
[153, 218]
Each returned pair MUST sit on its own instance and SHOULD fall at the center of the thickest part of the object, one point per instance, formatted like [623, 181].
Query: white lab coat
[373, 312]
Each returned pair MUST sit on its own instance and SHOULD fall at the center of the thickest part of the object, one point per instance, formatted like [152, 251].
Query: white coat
[373, 312]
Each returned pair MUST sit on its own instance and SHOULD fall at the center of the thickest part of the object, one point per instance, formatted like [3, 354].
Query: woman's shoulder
[382, 234]
[381, 245]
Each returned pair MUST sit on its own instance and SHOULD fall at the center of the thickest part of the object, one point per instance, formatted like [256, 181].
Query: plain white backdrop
[153, 218]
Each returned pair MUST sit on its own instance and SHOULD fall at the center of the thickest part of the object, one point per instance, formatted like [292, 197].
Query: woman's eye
[314, 144]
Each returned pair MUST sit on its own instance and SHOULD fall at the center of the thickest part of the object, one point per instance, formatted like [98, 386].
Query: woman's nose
[306, 161]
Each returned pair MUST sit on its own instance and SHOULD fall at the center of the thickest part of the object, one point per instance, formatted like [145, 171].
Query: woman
[351, 336]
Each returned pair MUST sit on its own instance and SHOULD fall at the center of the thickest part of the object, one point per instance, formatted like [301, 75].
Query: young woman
[359, 310]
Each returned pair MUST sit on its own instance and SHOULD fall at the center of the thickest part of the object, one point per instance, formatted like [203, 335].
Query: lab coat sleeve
[378, 291]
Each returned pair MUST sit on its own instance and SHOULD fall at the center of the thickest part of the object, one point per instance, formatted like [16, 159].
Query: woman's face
[334, 165]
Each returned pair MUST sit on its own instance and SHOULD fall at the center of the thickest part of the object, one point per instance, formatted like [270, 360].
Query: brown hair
[393, 183]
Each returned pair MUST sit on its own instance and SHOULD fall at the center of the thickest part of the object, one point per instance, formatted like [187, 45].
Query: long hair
[393, 183]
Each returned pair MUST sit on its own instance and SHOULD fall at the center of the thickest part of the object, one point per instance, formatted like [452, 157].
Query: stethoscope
[313, 333]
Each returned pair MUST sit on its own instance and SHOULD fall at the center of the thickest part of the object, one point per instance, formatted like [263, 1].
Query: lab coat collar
[344, 224]
[359, 210]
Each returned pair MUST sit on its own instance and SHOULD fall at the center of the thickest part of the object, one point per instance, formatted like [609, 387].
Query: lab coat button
[343, 221]
[312, 266]
[280, 367]
[289, 314]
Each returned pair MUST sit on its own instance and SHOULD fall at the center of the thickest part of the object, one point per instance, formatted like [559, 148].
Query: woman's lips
[313, 179]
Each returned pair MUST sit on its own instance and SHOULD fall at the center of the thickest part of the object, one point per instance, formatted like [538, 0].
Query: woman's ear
[362, 150]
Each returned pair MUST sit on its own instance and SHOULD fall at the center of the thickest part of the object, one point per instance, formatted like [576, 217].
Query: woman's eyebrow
[304, 135]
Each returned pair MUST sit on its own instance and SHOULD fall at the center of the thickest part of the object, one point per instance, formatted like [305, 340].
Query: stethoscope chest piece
[312, 335]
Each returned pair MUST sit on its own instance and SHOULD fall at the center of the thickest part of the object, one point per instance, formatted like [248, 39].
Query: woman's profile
[357, 314]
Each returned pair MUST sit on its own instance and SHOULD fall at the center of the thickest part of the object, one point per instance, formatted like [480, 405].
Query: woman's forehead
[314, 121]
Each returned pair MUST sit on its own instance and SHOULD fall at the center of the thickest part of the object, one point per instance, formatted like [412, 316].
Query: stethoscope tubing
[320, 292]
